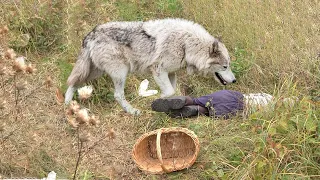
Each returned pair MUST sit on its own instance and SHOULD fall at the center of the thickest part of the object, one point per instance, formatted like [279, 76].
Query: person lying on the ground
[224, 103]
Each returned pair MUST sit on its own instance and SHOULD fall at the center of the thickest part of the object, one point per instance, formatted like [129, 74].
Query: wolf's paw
[163, 95]
[166, 95]
[133, 111]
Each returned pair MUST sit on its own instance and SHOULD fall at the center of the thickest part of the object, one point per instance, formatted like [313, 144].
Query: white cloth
[143, 89]
[51, 176]
[257, 99]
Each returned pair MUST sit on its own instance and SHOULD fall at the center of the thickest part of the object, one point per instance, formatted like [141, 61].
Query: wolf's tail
[81, 69]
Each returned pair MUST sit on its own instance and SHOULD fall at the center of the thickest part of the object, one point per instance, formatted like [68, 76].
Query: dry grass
[275, 47]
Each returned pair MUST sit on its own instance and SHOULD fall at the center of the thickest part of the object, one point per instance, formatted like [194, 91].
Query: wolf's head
[218, 63]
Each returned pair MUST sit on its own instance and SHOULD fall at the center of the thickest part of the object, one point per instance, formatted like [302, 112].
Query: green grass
[40, 24]
[65, 69]
[144, 10]
[242, 63]
[274, 47]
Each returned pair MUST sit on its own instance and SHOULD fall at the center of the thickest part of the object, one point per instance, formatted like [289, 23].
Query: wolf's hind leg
[94, 74]
[69, 94]
[163, 81]
[119, 79]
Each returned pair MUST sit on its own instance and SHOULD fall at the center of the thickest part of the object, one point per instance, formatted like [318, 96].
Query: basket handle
[159, 151]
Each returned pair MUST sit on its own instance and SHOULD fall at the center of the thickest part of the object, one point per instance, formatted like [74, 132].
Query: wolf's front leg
[163, 81]
[173, 80]
[119, 83]
[119, 96]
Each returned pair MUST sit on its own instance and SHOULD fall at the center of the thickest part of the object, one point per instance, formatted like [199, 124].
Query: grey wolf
[158, 47]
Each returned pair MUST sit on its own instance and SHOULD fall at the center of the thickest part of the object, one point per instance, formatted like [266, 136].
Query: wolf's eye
[225, 67]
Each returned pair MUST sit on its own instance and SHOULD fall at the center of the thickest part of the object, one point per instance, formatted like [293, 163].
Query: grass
[275, 50]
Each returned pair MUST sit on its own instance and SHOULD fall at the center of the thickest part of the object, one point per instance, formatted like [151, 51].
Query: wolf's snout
[225, 77]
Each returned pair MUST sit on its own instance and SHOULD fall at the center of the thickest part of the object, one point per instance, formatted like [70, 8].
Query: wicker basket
[166, 150]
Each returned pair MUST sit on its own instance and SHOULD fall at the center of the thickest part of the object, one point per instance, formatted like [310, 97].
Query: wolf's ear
[219, 38]
[214, 52]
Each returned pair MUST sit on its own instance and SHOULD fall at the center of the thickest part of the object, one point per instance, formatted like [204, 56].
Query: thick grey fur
[160, 47]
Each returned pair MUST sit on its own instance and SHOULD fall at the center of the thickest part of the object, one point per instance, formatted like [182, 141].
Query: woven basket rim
[167, 130]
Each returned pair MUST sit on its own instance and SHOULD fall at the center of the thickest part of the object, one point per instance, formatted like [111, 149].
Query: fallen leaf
[59, 96]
